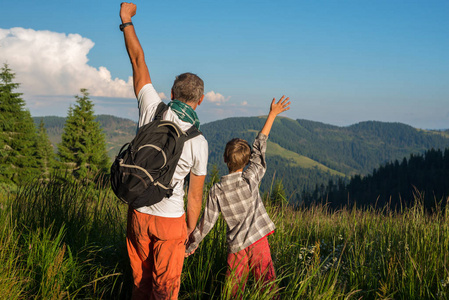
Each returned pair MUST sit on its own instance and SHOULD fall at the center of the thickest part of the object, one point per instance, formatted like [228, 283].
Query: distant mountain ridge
[330, 150]
[355, 149]
[302, 153]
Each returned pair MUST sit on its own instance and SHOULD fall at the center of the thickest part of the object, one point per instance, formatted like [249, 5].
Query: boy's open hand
[275, 109]
[280, 106]
[127, 11]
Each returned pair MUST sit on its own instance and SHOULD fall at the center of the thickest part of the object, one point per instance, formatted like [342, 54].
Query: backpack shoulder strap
[192, 132]
[161, 108]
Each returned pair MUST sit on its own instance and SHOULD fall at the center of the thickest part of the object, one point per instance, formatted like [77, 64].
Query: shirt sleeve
[257, 164]
[207, 221]
[200, 157]
[147, 102]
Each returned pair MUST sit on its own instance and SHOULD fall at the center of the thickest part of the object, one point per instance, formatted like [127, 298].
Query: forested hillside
[397, 184]
[334, 151]
[303, 154]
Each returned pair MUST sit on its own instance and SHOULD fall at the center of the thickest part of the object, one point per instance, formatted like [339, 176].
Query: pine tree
[17, 133]
[278, 195]
[83, 146]
[45, 156]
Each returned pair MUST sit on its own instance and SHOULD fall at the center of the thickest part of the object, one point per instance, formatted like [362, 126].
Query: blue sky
[340, 62]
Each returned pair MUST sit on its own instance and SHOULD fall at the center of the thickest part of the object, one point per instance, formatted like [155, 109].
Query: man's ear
[201, 100]
[171, 95]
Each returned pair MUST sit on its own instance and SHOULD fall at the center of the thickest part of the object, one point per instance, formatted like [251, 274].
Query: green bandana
[185, 112]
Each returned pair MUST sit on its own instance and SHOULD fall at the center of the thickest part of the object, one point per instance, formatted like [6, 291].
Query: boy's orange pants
[156, 247]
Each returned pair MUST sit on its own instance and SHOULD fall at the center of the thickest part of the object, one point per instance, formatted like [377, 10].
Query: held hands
[190, 253]
[187, 243]
[280, 106]
[127, 11]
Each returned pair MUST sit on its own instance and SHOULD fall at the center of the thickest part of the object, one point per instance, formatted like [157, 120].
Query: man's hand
[188, 243]
[127, 11]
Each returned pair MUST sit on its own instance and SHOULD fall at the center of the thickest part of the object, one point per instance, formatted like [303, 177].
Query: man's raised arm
[141, 76]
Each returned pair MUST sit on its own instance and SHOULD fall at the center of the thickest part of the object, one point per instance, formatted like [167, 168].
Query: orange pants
[156, 247]
[255, 258]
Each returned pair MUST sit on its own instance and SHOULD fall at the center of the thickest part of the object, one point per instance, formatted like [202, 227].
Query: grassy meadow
[298, 160]
[63, 240]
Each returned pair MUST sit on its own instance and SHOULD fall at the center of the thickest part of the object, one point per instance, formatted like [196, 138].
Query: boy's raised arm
[275, 109]
[141, 75]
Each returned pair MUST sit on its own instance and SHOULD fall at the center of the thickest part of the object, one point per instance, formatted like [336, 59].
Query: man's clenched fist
[127, 11]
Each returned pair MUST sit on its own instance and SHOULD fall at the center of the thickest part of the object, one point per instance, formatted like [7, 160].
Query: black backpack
[142, 171]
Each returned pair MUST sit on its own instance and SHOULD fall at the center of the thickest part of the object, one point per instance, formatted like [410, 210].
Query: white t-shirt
[193, 157]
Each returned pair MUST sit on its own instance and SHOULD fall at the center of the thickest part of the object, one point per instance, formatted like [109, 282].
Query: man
[156, 234]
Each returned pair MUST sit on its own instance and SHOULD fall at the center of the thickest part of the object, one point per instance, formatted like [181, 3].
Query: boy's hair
[237, 153]
[188, 87]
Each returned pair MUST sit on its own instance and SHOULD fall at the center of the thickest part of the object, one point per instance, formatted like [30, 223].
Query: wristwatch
[122, 26]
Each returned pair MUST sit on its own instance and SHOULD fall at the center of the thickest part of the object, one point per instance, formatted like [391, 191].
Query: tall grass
[12, 277]
[345, 254]
[64, 240]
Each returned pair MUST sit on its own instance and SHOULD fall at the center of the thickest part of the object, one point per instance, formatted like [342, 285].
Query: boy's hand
[127, 11]
[280, 106]
[275, 109]
[190, 253]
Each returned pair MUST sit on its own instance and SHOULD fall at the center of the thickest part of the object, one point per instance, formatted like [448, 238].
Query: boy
[237, 197]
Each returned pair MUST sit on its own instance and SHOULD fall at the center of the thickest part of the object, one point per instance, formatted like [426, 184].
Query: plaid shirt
[237, 197]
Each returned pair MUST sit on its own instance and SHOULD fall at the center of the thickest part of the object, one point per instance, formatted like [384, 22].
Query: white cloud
[216, 98]
[51, 63]
[162, 96]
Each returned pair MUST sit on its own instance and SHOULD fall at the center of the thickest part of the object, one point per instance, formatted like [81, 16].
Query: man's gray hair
[188, 87]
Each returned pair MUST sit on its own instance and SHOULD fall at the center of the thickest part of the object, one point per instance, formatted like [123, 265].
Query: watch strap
[122, 26]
